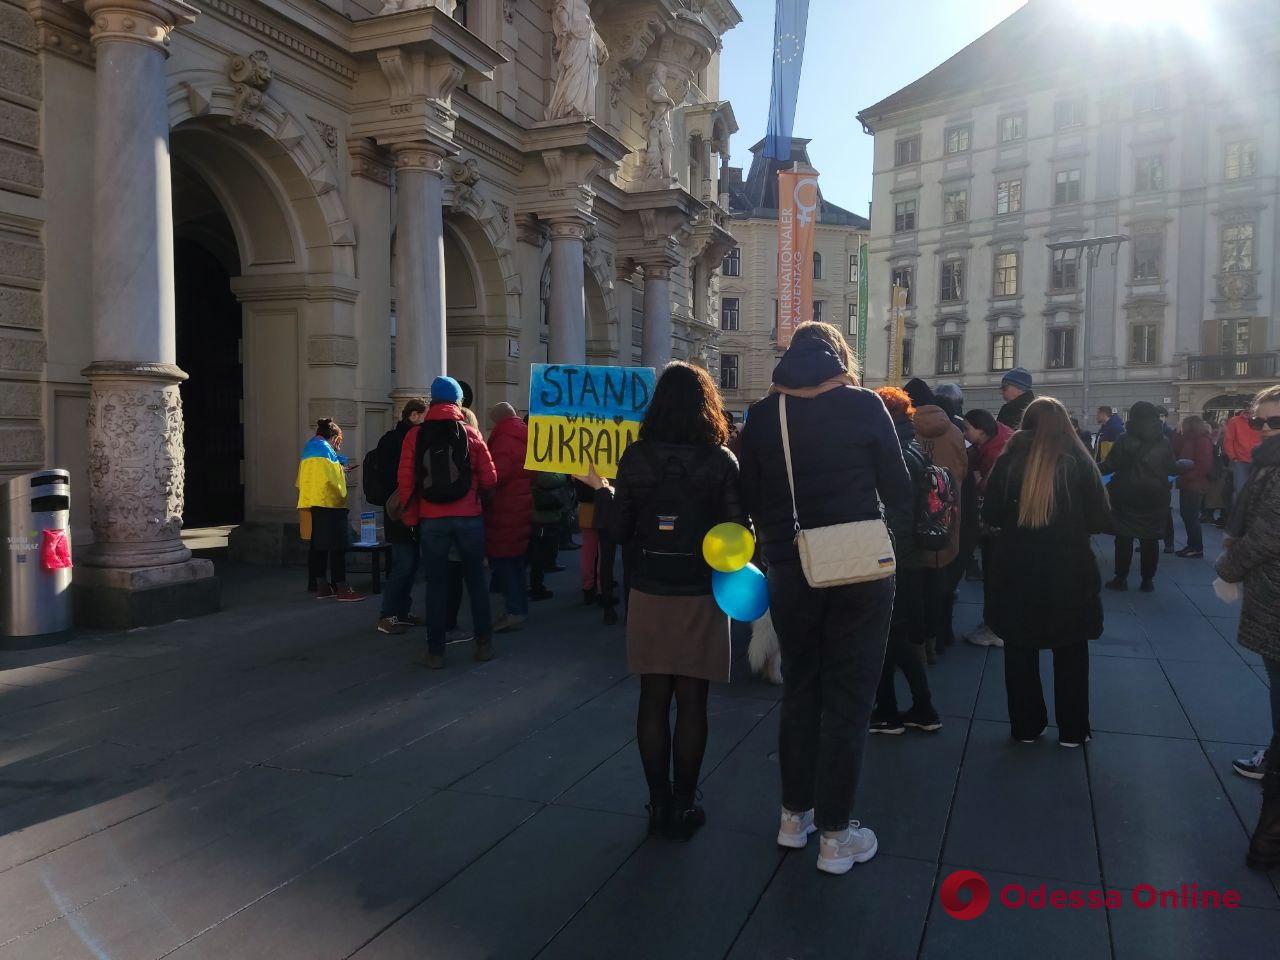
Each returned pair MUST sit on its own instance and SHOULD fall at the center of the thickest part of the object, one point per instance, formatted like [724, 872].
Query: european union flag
[790, 17]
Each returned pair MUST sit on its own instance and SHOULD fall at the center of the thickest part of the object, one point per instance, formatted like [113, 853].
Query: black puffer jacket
[902, 523]
[843, 447]
[1011, 413]
[1140, 462]
[714, 485]
[1252, 557]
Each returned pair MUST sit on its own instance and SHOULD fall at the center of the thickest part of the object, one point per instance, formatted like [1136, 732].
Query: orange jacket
[1240, 439]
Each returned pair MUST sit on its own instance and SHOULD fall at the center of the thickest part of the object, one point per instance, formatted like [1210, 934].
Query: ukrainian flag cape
[321, 480]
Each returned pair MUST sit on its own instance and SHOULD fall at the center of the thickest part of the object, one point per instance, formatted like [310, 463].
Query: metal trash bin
[35, 588]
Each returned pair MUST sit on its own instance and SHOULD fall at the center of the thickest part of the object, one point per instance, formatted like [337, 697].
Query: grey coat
[1252, 556]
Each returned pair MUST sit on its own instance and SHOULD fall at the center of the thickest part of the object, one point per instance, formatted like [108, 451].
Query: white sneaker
[838, 854]
[795, 829]
[459, 635]
[983, 637]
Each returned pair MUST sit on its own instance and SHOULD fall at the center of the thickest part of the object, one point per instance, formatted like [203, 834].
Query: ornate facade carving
[328, 134]
[579, 50]
[251, 76]
[659, 144]
[283, 37]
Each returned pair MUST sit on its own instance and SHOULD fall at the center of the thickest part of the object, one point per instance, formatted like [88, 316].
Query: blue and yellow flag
[581, 415]
[790, 18]
[321, 479]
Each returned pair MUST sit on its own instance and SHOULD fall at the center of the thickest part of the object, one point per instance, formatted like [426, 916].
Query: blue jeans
[508, 575]
[1239, 474]
[397, 594]
[436, 537]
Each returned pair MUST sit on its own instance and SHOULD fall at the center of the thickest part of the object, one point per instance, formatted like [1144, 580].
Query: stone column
[655, 348]
[567, 337]
[420, 330]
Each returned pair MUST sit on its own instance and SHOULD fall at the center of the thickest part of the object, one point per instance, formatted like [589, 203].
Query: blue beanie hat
[1018, 377]
[445, 390]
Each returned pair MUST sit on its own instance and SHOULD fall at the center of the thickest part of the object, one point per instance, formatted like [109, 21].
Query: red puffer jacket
[509, 515]
[483, 476]
[1197, 448]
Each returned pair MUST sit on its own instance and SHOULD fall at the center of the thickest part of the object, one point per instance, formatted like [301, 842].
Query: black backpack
[375, 491]
[672, 523]
[443, 461]
[936, 506]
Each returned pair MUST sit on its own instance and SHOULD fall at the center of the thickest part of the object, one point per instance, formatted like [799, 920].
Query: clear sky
[857, 52]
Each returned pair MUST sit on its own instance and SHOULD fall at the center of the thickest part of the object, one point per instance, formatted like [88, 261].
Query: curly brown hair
[685, 408]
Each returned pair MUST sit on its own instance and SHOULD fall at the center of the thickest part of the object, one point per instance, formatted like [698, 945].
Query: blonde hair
[1269, 395]
[1053, 443]
[469, 415]
[832, 336]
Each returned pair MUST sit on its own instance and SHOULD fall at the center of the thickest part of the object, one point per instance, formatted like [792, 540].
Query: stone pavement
[278, 781]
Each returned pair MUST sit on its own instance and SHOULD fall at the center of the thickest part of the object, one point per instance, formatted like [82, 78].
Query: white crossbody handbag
[843, 552]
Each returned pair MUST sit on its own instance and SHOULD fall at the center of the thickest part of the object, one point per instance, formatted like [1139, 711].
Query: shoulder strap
[786, 454]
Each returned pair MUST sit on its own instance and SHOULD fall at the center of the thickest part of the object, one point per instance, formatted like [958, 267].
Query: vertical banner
[797, 215]
[790, 23]
[897, 332]
[864, 249]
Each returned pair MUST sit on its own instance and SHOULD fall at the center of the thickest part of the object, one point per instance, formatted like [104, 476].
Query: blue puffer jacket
[844, 450]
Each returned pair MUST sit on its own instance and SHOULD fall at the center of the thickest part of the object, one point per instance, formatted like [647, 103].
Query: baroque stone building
[748, 345]
[1054, 126]
[223, 219]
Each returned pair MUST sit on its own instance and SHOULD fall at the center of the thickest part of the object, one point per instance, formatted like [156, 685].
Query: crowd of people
[1018, 494]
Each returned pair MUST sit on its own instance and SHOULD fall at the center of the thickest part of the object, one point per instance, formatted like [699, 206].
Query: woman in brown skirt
[674, 483]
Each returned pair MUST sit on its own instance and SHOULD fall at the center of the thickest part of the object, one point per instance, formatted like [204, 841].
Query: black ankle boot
[1264, 847]
[686, 818]
[590, 598]
[659, 807]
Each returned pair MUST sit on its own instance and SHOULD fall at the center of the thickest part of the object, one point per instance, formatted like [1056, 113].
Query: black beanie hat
[920, 394]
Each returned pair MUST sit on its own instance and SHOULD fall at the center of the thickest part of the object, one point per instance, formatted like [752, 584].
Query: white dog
[763, 653]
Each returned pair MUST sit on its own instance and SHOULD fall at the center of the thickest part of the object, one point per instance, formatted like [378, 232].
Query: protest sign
[579, 415]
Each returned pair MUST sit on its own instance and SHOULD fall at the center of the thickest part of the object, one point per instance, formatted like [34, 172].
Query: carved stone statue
[659, 143]
[579, 51]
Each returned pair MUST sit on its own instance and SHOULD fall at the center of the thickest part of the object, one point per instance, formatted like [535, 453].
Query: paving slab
[1187, 638]
[1224, 701]
[1245, 933]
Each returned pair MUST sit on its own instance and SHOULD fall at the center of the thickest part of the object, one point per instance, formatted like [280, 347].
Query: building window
[906, 151]
[728, 371]
[853, 322]
[955, 206]
[949, 353]
[1066, 187]
[1148, 255]
[956, 139]
[1062, 348]
[1237, 248]
[1002, 351]
[1064, 269]
[952, 287]
[729, 310]
[817, 311]
[853, 268]
[773, 332]
[731, 265]
[1013, 126]
[1068, 113]
[1008, 196]
[1241, 160]
[1144, 343]
[817, 265]
[903, 277]
[904, 216]
[1149, 174]
[1149, 97]
[907, 353]
[1006, 275]
[1235, 337]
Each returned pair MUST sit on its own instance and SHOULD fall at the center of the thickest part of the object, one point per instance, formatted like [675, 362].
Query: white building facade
[1051, 128]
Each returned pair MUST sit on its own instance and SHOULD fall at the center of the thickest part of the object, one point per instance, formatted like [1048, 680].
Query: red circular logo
[965, 881]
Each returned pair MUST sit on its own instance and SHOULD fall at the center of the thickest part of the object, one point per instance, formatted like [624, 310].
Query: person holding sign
[444, 464]
[674, 484]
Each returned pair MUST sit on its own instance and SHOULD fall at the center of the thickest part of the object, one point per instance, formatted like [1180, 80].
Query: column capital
[657, 269]
[421, 155]
[568, 228]
[148, 22]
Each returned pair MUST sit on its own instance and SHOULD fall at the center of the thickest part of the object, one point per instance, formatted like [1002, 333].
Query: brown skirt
[684, 636]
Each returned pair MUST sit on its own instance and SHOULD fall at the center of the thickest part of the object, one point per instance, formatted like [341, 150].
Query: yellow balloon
[728, 547]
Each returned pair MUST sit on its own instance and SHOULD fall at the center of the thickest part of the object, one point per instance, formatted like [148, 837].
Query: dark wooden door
[209, 328]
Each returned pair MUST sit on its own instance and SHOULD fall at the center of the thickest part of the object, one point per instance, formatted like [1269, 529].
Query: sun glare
[1187, 15]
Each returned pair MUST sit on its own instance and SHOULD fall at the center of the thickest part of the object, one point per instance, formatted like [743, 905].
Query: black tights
[653, 732]
[334, 560]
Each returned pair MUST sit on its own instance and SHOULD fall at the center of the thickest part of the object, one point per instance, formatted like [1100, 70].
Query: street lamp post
[1091, 250]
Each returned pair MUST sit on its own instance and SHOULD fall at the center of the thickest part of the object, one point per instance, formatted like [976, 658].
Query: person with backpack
[942, 444]
[444, 465]
[381, 464]
[508, 516]
[819, 454]
[1043, 590]
[550, 498]
[322, 492]
[906, 650]
[1140, 464]
[674, 484]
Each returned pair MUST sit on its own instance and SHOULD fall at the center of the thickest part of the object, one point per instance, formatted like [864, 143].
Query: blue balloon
[743, 594]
